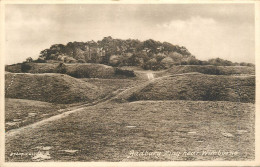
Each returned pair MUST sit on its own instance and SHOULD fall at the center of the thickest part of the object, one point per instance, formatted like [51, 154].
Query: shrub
[40, 60]
[128, 73]
[220, 62]
[80, 73]
[246, 64]
[25, 67]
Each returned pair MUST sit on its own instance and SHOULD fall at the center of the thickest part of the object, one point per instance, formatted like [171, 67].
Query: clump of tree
[115, 52]
[222, 62]
[149, 54]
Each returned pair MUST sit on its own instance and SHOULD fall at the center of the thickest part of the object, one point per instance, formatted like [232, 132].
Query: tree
[138, 59]
[114, 60]
[151, 64]
[160, 56]
[193, 61]
[29, 59]
[167, 62]
[220, 62]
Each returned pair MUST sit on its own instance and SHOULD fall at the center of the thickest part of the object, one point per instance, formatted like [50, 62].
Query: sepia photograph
[129, 82]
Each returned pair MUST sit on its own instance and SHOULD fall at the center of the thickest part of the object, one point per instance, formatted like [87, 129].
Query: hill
[78, 70]
[54, 88]
[196, 86]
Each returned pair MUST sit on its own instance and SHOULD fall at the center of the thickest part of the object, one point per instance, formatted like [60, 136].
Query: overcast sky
[207, 31]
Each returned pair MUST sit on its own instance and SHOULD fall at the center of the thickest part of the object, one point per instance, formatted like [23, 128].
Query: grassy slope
[27, 112]
[195, 86]
[78, 70]
[103, 135]
[55, 88]
[209, 69]
[35, 68]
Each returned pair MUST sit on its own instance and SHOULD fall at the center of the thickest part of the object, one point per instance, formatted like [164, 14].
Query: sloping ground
[109, 85]
[78, 70]
[116, 130]
[21, 112]
[55, 88]
[32, 68]
[211, 70]
[195, 86]
[15, 68]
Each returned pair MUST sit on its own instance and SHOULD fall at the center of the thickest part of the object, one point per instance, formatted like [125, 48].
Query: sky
[206, 30]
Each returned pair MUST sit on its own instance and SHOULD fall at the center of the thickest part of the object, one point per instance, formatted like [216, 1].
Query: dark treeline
[149, 54]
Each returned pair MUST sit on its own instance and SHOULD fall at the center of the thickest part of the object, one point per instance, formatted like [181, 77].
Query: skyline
[207, 31]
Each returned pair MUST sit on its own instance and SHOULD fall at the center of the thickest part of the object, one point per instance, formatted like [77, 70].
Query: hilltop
[148, 54]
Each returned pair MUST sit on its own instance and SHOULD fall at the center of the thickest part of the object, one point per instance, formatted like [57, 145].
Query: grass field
[21, 112]
[111, 131]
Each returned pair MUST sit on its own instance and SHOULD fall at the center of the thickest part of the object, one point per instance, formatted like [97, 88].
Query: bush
[25, 67]
[128, 73]
[80, 73]
[29, 60]
[220, 62]
[246, 64]
[40, 60]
